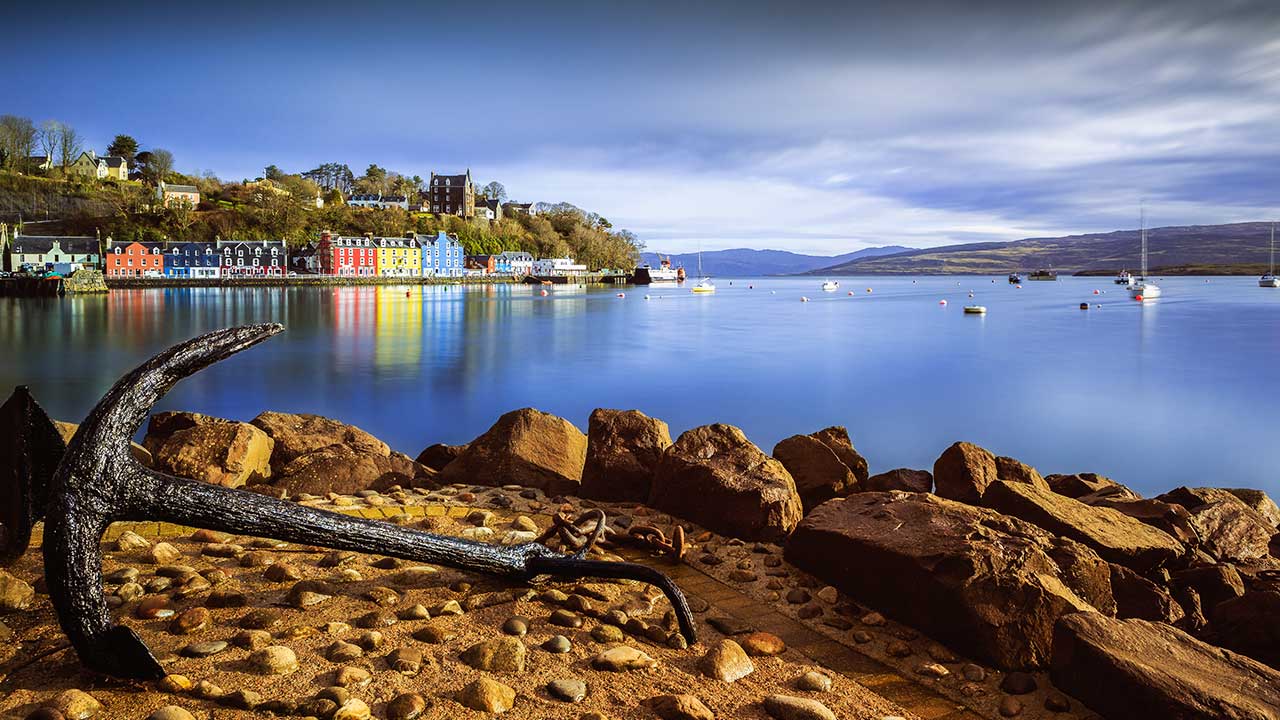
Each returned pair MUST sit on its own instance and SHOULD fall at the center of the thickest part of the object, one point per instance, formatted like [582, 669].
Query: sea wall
[300, 281]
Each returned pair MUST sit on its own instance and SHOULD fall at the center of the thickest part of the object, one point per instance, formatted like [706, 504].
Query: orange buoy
[942, 302]
[406, 293]
[1018, 287]
[622, 295]
[544, 293]
[1095, 292]
[1138, 298]
[850, 293]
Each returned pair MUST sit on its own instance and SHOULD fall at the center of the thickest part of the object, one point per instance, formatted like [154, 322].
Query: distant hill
[746, 262]
[1191, 246]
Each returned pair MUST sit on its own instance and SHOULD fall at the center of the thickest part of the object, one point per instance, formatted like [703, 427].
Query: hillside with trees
[278, 205]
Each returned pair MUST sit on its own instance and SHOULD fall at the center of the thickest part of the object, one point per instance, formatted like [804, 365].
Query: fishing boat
[1043, 275]
[1141, 288]
[1014, 278]
[664, 274]
[1124, 278]
[830, 286]
[704, 284]
[1271, 280]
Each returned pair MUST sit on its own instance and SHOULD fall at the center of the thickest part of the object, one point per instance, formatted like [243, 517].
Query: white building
[516, 262]
[557, 266]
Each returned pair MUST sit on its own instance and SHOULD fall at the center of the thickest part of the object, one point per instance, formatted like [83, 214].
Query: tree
[69, 145]
[332, 176]
[123, 146]
[17, 141]
[273, 173]
[494, 191]
[155, 165]
[50, 132]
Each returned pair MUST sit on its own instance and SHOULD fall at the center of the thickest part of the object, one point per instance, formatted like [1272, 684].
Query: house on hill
[453, 195]
[178, 195]
[106, 167]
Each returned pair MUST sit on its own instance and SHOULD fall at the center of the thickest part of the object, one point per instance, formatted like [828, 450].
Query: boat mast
[1273, 250]
[1142, 221]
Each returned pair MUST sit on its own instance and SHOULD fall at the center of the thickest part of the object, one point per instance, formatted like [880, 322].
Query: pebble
[479, 534]
[207, 690]
[407, 706]
[162, 553]
[204, 649]
[221, 550]
[505, 654]
[828, 595]
[282, 572]
[798, 596]
[76, 705]
[376, 619]
[1018, 683]
[129, 592]
[557, 644]
[157, 606]
[189, 621]
[726, 661]
[786, 707]
[351, 676]
[762, 644]
[873, 619]
[416, 576]
[898, 649]
[729, 626]
[369, 640]
[622, 658]
[226, 599]
[933, 670]
[973, 673]
[565, 618]
[130, 540]
[318, 707]
[449, 607]
[123, 575]
[353, 709]
[681, 707]
[175, 683]
[517, 626]
[1057, 702]
[524, 524]
[813, 681]
[384, 596]
[571, 691]
[274, 660]
[415, 612]
[241, 699]
[1010, 706]
[743, 576]
[261, 619]
[488, 696]
[171, 712]
[861, 636]
[607, 634]
[434, 634]
[209, 536]
[406, 661]
[810, 611]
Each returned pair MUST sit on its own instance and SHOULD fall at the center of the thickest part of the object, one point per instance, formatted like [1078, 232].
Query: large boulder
[904, 479]
[1250, 624]
[988, 584]
[67, 430]
[1174, 520]
[714, 476]
[836, 437]
[317, 455]
[1143, 669]
[964, 471]
[231, 454]
[1078, 485]
[1228, 529]
[623, 450]
[1118, 538]
[819, 473]
[1138, 597]
[1259, 502]
[438, 455]
[524, 447]
[1213, 584]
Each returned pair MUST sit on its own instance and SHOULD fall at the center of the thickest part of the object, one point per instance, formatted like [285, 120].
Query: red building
[347, 255]
[135, 259]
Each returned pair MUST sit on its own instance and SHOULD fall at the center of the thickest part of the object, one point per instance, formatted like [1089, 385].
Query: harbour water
[1181, 390]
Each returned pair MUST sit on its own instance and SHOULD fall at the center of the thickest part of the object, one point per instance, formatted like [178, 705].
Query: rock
[622, 658]
[623, 450]
[15, 593]
[406, 661]
[517, 626]
[504, 654]
[1250, 625]
[963, 472]
[1116, 537]
[1231, 532]
[981, 582]
[565, 618]
[819, 474]
[786, 707]
[1010, 707]
[274, 660]
[524, 447]
[192, 620]
[933, 670]
[607, 634]
[904, 479]
[351, 676]
[1018, 683]
[1138, 668]
[557, 644]
[406, 706]
[729, 626]
[1213, 583]
[680, 707]
[571, 691]
[434, 635]
[1138, 597]
[220, 452]
[439, 455]
[76, 705]
[717, 478]
[1259, 502]
[68, 430]
[162, 553]
[171, 712]
[353, 709]
[759, 644]
[316, 455]
[252, 639]
[1014, 471]
[298, 435]
[1082, 484]
[1172, 519]
[130, 541]
[204, 649]
[726, 661]
[488, 696]
[813, 681]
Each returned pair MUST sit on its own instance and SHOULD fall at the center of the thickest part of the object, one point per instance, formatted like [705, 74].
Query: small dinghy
[975, 310]
[830, 286]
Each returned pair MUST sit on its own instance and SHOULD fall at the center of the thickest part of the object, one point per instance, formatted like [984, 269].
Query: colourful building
[255, 258]
[398, 257]
[442, 255]
[192, 260]
[135, 259]
[349, 256]
[58, 254]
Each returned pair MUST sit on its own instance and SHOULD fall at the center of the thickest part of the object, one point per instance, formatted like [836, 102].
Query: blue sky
[814, 127]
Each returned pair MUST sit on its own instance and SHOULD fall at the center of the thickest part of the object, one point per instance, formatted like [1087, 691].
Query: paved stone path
[808, 643]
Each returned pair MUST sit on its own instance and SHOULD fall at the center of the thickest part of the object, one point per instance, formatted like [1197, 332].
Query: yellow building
[399, 257]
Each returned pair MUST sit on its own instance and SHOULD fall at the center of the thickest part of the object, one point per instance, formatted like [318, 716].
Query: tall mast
[1273, 250]
[1142, 221]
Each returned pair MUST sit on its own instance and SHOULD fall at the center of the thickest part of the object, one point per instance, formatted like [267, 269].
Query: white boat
[704, 284]
[1271, 280]
[830, 286]
[1124, 278]
[1142, 288]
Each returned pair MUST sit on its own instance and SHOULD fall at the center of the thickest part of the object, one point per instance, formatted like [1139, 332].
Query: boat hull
[1269, 282]
[1146, 292]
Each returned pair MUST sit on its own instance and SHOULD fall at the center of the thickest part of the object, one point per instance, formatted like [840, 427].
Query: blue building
[441, 255]
[192, 260]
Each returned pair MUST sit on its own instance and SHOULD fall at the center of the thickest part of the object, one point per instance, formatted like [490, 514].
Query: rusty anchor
[80, 488]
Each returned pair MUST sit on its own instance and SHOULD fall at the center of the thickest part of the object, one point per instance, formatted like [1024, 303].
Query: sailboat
[1142, 288]
[704, 283]
[1271, 280]
[830, 286]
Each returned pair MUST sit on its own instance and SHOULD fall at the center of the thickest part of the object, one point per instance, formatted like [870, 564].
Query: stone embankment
[980, 589]
[115, 283]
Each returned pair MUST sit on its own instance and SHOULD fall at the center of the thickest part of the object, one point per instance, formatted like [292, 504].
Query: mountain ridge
[749, 261]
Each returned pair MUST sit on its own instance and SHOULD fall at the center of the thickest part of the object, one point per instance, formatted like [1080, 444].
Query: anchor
[81, 487]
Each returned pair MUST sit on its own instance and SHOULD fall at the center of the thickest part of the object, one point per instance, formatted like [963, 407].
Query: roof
[516, 254]
[180, 188]
[113, 161]
[193, 246]
[366, 197]
[73, 244]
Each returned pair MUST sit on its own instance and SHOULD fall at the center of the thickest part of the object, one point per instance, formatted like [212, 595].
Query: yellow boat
[704, 286]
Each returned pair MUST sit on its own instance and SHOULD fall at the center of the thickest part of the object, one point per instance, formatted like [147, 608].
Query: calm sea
[1182, 390]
